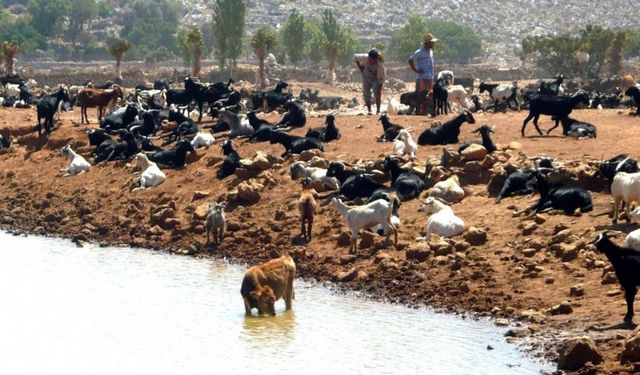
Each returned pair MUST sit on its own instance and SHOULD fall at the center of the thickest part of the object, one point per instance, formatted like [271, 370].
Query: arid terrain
[517, 275]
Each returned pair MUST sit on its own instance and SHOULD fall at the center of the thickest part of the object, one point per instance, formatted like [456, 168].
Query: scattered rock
[515, 145]
[345, 277]
[560, 236]
[561, 309]
[474, 152]
[366, 240]
[609, 278]
[197, 195]
[418, 254]
[442, 248]
[475, 236]
[576, 352]
[529, 252]
[631, 351]
[346, 259]
[576, 291]
[309, 154]
[529, 228]
[249, 191]
[539, 219]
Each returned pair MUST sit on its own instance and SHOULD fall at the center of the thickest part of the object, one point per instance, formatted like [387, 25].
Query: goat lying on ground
[559, 197]
[442, 221]
[175, 157]
[446, 133]
[151, 175]
[294, 144]
[231, 160]
[390, 129]
[485, 132]
[78, 164]
[326, 134]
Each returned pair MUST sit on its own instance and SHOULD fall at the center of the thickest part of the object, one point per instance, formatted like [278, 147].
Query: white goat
[448, 190]
[151, 175]
[632, 241]
[447, 74]
[318, 176]
[367, 215]
[158, 97]
[216, 222]
[393, 106]
[203, 139]
[404, 144]
[625, 188]
[442, 221]
[457, 94]
[77, 165]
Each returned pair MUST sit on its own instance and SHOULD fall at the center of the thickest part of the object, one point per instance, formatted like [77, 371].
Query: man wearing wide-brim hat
[421, 62]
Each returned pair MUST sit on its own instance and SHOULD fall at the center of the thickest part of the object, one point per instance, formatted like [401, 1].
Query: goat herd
[128, 130]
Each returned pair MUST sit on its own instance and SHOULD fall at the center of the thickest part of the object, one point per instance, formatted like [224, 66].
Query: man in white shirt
[421, 62]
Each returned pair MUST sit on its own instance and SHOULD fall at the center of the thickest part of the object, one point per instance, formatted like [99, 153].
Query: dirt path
[502, 277]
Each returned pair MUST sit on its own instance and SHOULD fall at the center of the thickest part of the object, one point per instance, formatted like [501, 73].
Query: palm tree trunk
[261, 68]
[331, 74]
[118, 72]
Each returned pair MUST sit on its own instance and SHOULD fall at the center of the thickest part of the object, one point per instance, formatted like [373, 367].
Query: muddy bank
[511, 268]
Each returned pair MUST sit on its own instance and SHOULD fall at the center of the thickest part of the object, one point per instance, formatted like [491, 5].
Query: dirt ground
[495, 278]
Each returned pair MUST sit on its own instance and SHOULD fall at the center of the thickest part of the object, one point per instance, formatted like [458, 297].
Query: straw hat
[429, 38]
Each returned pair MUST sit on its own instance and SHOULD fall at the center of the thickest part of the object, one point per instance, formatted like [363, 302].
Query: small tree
[263, 41]
[117, 48]
[10, 50]
[294, 36]
[333, 35]
[228, 30]
[191, 43]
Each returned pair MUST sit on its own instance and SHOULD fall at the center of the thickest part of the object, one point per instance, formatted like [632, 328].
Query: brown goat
[92, 98]
[307, 206]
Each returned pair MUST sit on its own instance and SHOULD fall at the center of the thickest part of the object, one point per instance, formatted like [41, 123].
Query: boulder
[344, 239]
[472, 166]
[576, 352]
[309, 154]
[345, 277]
[474, 152]
[576, 291]
[249, 191]
[514, 145]
[162, 214]
[475, 236]
[366, 240]
[631, 351]
[201, 212]
[450, 157]
[260, 162]
[197, 195]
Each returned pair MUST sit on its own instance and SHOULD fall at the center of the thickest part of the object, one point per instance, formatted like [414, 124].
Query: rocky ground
[537, 274]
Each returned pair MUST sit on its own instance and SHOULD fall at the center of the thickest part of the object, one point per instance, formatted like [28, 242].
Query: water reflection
[280, 328]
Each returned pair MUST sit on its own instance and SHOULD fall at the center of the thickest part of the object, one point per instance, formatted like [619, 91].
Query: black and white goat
[500, 93]
[558, 197]
[553, 87]
[175, 157]
[407, 184]
[390, 129]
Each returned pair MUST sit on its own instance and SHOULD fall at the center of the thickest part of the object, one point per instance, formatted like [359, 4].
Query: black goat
[577, 129]
[477, 105]
[446, 133]
[519, 182]
[326, 134]
[162, 84]
[111, 150]
[47, 107]
[175, 157]
[553, 87]
[206, 94]
[634, 92]
[440, 97]
[271, 99]
[626, 264]
[97, 136]
[414, 99]
[5, 142]
[340, 171]
[559, 197]
[231, 160]
[485, 132]
[620, 163]
[556, 106]
[407, 184]
[145, 127]
[294, 144]
[120, 120]
[295, 116]
[185, 125]
[178, 97]
[255, 122]
[390, 129]
[361, 186]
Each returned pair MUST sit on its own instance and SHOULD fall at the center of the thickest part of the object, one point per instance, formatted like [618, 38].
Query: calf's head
[265, 299]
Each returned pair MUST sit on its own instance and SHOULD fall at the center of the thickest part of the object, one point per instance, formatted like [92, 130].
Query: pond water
[109, 310]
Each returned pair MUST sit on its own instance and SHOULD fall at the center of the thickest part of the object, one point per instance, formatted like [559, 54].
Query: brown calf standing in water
[307, 207]
[264, 284]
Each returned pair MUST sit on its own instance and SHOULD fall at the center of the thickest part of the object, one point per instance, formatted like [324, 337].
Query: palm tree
[263, 41]
[117, 48]
[10, 50]
[195, 40]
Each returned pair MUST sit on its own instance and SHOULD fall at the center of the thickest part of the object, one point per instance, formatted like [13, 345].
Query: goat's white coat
[448, 74]
[457, 94]
[77, 164]
[151, 175]
[216, 222]
[404, 144]
[300, 169]
[632, 241]
[203, 139]
[393, 106]
[239, 123]
[367, 215]
[625, 188]
[443, 221]
[448, 190]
